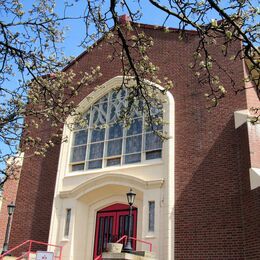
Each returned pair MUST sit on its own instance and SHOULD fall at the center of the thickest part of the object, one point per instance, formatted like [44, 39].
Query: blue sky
[76, 32]
[151, 15]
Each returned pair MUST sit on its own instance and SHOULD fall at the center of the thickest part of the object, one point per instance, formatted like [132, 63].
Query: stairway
[136, 255]
[28, 253]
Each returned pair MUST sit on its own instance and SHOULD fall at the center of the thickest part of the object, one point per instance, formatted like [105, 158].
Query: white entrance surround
[86, 192]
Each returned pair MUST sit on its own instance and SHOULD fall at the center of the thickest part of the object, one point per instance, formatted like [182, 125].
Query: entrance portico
[100, 204]
[89, 201]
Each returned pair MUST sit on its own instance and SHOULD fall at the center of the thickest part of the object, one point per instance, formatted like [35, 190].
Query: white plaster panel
[241, 117]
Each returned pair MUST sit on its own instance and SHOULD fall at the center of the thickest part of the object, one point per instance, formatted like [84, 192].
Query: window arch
[105, 142]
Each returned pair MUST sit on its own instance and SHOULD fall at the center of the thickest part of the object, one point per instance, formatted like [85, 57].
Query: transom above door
[112, 224]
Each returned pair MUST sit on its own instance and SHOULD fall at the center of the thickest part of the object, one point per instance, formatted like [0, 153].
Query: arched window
[104, 142]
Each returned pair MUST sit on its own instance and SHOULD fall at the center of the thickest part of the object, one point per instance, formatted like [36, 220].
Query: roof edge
[139, 25]
[160, 27]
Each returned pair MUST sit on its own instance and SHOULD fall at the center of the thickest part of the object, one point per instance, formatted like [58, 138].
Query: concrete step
[126, 256]
[144, 254]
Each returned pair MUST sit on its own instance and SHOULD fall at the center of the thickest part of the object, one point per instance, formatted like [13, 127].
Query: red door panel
[112, 224]
[122, 224]
[105, 229]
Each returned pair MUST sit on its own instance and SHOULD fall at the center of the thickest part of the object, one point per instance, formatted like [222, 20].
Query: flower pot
[114, 247]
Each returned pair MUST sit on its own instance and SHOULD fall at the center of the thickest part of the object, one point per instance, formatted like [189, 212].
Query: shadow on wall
[208, 211]
[44, 197]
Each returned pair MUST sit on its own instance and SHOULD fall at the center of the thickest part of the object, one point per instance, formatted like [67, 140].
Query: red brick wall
[250, 200]
[210, 201]
[34, 200]
[9, 195]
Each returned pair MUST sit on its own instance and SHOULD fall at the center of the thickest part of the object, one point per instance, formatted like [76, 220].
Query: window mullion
[106, 130]
[88, 139]
[123, 145]
[143, 139]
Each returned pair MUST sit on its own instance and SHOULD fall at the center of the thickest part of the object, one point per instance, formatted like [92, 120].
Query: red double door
[112, 224]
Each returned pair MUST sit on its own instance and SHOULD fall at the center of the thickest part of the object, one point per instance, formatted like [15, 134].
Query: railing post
[30, 249]
[60, 252]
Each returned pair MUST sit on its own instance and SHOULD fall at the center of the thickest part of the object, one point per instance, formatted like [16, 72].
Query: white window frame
[67, 223]
[149, 214]
[104, 159]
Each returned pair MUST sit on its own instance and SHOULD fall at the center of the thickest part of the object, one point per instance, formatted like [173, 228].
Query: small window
[151, 216]
[67, 223]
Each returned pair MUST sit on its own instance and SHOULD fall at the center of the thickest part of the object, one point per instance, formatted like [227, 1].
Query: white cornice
[108, 179]
[241, 117]
[254, 178]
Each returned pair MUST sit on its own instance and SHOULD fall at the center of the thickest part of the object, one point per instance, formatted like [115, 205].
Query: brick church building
[197, 193]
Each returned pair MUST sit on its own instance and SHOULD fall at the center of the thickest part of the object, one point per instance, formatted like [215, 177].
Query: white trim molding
[254, 178]
[241, 117]
[110, 178]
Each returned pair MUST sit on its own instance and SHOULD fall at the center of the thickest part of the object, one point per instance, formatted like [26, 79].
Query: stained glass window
[104, 142]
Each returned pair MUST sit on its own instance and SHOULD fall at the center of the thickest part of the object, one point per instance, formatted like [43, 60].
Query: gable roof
[123, 20]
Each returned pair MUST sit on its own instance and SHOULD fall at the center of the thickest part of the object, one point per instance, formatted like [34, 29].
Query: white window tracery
[105, 142]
